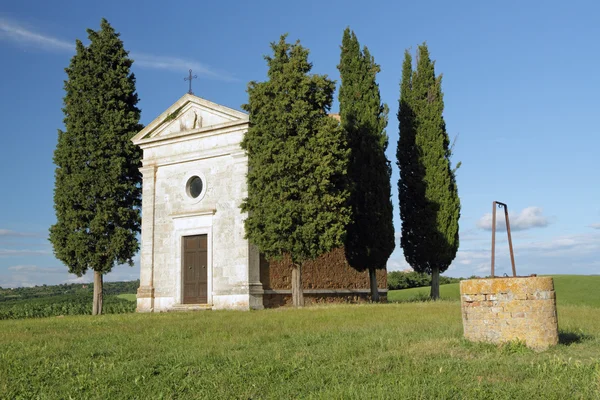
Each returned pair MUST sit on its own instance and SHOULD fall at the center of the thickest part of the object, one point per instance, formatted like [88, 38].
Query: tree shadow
[568, 338]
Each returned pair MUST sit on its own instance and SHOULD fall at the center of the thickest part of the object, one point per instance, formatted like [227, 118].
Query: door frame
[209, 270]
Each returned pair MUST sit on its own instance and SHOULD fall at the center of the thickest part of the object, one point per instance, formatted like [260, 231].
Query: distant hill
[24, 293]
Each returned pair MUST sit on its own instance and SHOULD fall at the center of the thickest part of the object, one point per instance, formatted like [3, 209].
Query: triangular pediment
[188, 115]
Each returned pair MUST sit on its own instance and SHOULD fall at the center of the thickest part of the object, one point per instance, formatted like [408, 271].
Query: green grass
[410, 350]
[447, 292]
[397, 350]
[577, 290]
[570, 290]
[128, 296]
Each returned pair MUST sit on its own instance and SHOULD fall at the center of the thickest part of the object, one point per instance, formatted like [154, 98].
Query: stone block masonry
[499, 310]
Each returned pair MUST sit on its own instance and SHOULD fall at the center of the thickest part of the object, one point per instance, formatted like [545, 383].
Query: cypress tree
[429, 202]
[370, 238]
[97, 194]
[297, 196]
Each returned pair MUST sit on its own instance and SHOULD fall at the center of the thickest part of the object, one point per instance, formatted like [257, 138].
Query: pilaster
[146, 290]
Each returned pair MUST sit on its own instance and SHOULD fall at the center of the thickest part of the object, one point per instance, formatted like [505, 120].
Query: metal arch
[497, 204]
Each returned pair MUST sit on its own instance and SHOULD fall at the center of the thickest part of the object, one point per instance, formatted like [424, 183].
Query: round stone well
[501, 310]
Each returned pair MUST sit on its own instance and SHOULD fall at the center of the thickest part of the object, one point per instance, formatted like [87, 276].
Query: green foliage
[404, 280]
[429, 202]
[515, 347]
[339, 352]
[51, 306]
[297, 197]
[174, 115]
[97, 192]
[370, 239]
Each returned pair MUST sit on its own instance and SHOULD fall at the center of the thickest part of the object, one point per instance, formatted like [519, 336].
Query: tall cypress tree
[297, 196]
[429, 202]
[370, 238]
[97, 194]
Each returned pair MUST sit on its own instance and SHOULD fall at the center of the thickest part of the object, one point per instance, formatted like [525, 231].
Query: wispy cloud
[16, 33]
[9, 233]
[595, 226]
[471, 235]
[571, 245]
[178, 65]
[12, 31]
[23, 252]
[31, 275]
[36, 269]
[79, 279]
[530, 217]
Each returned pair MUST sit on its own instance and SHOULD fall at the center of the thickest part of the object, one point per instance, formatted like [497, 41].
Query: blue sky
[521, 93]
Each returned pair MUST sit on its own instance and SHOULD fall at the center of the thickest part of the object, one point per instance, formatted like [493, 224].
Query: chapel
[193, 251]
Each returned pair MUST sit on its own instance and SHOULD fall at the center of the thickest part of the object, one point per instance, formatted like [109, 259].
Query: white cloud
[472, 260]
[572, 245]
[569, 254]
[398, 264]
[79, 279]
[530, 217]
[595, 226]
[16, 33]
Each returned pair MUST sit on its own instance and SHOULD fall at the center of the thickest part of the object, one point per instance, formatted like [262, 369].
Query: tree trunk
[374, 288]
[435, 283]
[97, 304]
[297, 295]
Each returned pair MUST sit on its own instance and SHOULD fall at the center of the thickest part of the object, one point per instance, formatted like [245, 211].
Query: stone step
[191, 307]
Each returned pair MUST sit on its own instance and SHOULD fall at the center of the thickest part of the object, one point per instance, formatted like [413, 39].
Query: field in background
[449, 292]
[570, 290]
[76, 299]
[128, 296]
[66, 299]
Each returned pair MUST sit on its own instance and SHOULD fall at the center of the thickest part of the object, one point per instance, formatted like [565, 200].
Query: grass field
[401, 350]
[128, 296]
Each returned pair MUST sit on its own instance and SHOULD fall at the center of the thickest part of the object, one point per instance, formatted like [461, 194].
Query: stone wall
[500, 310]
[328, 279]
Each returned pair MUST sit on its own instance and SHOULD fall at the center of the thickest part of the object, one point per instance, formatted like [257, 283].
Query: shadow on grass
[570, 337]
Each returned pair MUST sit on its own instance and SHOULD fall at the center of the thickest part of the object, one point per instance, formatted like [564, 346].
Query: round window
[194, 186]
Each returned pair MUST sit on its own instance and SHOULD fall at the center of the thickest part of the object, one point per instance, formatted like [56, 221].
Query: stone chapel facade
[193, 251]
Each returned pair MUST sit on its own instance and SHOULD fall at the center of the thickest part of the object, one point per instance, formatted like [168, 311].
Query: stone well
[500, 310]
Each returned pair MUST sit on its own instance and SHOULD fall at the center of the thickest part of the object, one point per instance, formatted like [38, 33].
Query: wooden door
[195, 267]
